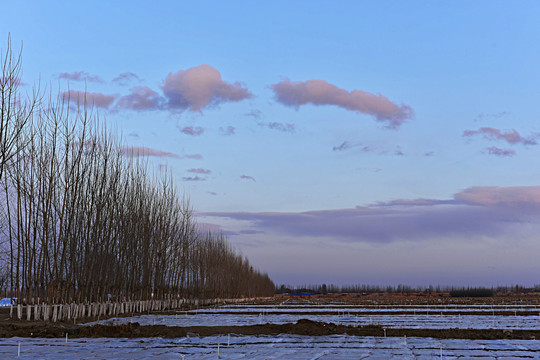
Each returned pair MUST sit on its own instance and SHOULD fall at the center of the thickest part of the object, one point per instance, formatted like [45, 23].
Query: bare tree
[81, 220]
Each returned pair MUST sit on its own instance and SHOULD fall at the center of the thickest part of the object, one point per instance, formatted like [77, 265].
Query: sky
[351, 142]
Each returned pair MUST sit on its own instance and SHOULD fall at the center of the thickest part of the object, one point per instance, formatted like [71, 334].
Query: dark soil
[302, 327]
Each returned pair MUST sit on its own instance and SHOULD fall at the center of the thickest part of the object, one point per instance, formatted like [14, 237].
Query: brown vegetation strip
[302, 327]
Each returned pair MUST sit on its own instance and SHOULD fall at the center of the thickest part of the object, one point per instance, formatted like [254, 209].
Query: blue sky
[280, 119]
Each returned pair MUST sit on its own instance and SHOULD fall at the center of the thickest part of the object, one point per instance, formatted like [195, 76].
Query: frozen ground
[381, 308]
[390, 307]
[419, 321]
[269, 347]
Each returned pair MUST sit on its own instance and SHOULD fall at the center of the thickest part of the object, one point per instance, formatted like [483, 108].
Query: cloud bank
[320, 92]
[473, 212]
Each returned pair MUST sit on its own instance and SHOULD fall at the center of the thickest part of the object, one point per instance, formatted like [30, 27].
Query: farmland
[310, 328]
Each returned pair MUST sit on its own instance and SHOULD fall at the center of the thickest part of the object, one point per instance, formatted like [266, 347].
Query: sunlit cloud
[192, 156]
[10, 81]
[484, 116]
[227, 131]
[361, 147]
[369, 169]
[493, 150]
[193, 178]
[199, 87]
[138, 151]
[515, 197]
[247, 177]
[283, 127]
[320, 92]
[254, 113]
[287, 127]
[199, 171]
[126, 78]
[192, 130]
[91, 99]
[346, 145]
[412, 202]
[80, 76]
[511, 136]
[140, 98]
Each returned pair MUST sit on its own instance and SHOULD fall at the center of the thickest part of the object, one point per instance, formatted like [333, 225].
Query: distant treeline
[405, 290]
[83, 218]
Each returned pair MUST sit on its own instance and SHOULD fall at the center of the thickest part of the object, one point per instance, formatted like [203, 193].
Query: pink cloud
[125, 78]
[138, 151]
[287, 127]
[412, 202]
[495, 195]
[254, 113]
[320, 92]
[140, 98]
[192, 130]
[200, 87]
[498, 115]
[193, 178]
[199, 171]
[512, 136]
[80, 76]
[247, 177]
[228, 131]
[7, 81]
[192, 156]
[369, 169]
[500, 152]
[359, 146]
[92, 99]
[346, 145]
